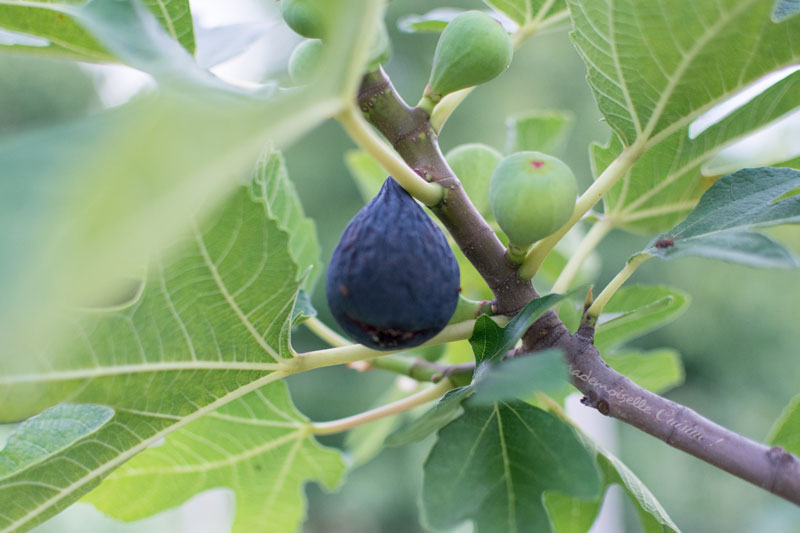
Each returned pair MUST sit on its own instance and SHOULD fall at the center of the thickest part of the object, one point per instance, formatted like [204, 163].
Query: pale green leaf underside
[68, 38]
[492, 465]
[211, 323]
[259, 446]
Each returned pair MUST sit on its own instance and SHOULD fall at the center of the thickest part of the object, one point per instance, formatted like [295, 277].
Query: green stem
[604, 182]
[586, 246]
[321, 330]
[356, 352]
[422, 397]
[368, 140]
[613, 286]
[422, 370]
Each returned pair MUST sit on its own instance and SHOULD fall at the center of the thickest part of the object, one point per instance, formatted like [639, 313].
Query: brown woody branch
[409, 131]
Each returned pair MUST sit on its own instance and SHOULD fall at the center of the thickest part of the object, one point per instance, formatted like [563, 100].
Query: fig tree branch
[408, 130]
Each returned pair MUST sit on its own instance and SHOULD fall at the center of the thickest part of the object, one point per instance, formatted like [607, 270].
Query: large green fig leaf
[210, 325]
[649, 65]
[260, 446]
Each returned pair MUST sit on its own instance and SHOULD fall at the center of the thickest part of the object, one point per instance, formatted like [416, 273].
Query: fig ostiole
[393, 281]
[305, 60]
[306, 17]
[473, 49]
[532, 195]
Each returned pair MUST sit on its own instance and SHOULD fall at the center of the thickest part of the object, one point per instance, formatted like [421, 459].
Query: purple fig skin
[393, 281]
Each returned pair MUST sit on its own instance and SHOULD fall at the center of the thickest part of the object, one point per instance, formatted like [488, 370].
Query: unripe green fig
[306, 17]
[305, 60]
[532, 195]
[473, 49]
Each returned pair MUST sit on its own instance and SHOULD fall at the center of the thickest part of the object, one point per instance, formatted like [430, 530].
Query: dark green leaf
[493, 464]
[520, 377]
[719, 225]
[637, 310]
[441, 414]
[490, 340]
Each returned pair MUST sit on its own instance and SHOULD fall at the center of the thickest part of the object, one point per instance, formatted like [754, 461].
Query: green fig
[306, 17]
[532, 195]
[305, 60]
[473, 49]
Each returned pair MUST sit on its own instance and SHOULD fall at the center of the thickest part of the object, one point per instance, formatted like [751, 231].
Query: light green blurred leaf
[211, 324]
[118, 186]
[433, 21]
[637, 310]
[493, 464]
[786, 431]
[474, 164]
[259, 446]
[60, 24]
[655, 370]
[522, 376]
[719, 227]
[367, 173]
[541, 131]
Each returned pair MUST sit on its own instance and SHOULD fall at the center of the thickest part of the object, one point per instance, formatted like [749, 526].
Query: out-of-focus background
[739, 340]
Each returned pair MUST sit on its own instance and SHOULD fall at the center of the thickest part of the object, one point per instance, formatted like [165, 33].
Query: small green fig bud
[473, 49]
[304, 60]
[306, 17]
[532, 195]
